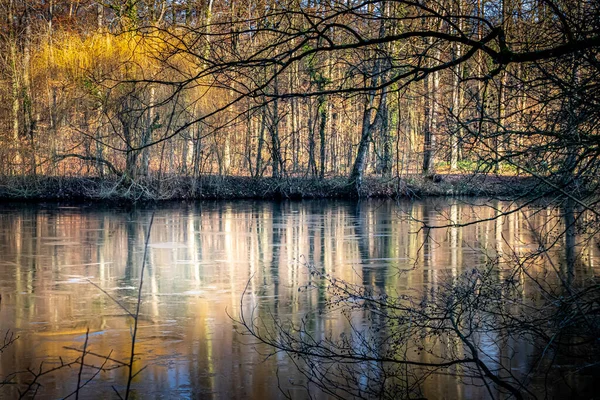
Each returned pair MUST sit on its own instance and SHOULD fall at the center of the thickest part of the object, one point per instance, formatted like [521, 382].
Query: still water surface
[202, 256]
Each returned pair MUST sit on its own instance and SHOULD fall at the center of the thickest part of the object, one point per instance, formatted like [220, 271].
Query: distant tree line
[149, 89]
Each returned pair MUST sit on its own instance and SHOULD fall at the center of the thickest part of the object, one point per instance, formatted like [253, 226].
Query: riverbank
[229, 187]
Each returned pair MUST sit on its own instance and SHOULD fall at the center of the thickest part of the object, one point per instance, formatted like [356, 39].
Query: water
[202, 257]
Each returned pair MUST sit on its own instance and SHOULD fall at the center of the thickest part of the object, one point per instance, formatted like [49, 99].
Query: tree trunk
[456, 103]
[322, 107]
[16, 89]
[147, 133]
[249, 141]
[312, 162]
[382, 124]
[16, 108]
[97, 140]
[261, 139]
[498, 137]
[356, 175]
[274, 129]
[360, 162]
[132, 152]
[295, 134]
[427, 136]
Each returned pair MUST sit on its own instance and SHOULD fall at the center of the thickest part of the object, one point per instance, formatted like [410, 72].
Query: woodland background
[147, 91]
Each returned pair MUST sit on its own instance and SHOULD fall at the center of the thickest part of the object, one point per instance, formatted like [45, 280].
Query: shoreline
[48, 188]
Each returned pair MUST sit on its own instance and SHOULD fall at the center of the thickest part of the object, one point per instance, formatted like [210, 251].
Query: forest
[150, 94]
[193, 99]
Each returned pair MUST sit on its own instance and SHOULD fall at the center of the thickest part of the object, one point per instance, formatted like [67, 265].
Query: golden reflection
[204, 256]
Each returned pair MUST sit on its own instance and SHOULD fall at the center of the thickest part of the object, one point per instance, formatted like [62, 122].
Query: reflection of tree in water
[205, 356]
[276, 223]
[132, 230]
[365, 226]
[485, 323]
[429, 246]
[136, 231]
[259, 222]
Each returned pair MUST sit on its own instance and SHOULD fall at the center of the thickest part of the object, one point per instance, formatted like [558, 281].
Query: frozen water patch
[194, 292]
[167, 245]
[76, 279]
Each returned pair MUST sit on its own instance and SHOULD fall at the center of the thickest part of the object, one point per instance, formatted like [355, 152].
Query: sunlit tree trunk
[431, 125]
[386, 168]
[261, 139]
[312, 159]
[427, 125]
[322, 107]
[197, 157]
[295, 128]
[249, 140]
[456, 101]
[358, 169]
[360, 161]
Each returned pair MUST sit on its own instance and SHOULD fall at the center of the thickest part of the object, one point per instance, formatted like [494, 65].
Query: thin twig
[113, 299]
[137, 311]
[87, 335]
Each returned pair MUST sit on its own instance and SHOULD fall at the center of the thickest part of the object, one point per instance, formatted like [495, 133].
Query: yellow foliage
[76, 59]
[71, 57]
[99, 68]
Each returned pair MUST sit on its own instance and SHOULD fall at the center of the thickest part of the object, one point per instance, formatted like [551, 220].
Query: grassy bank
[229, 187]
